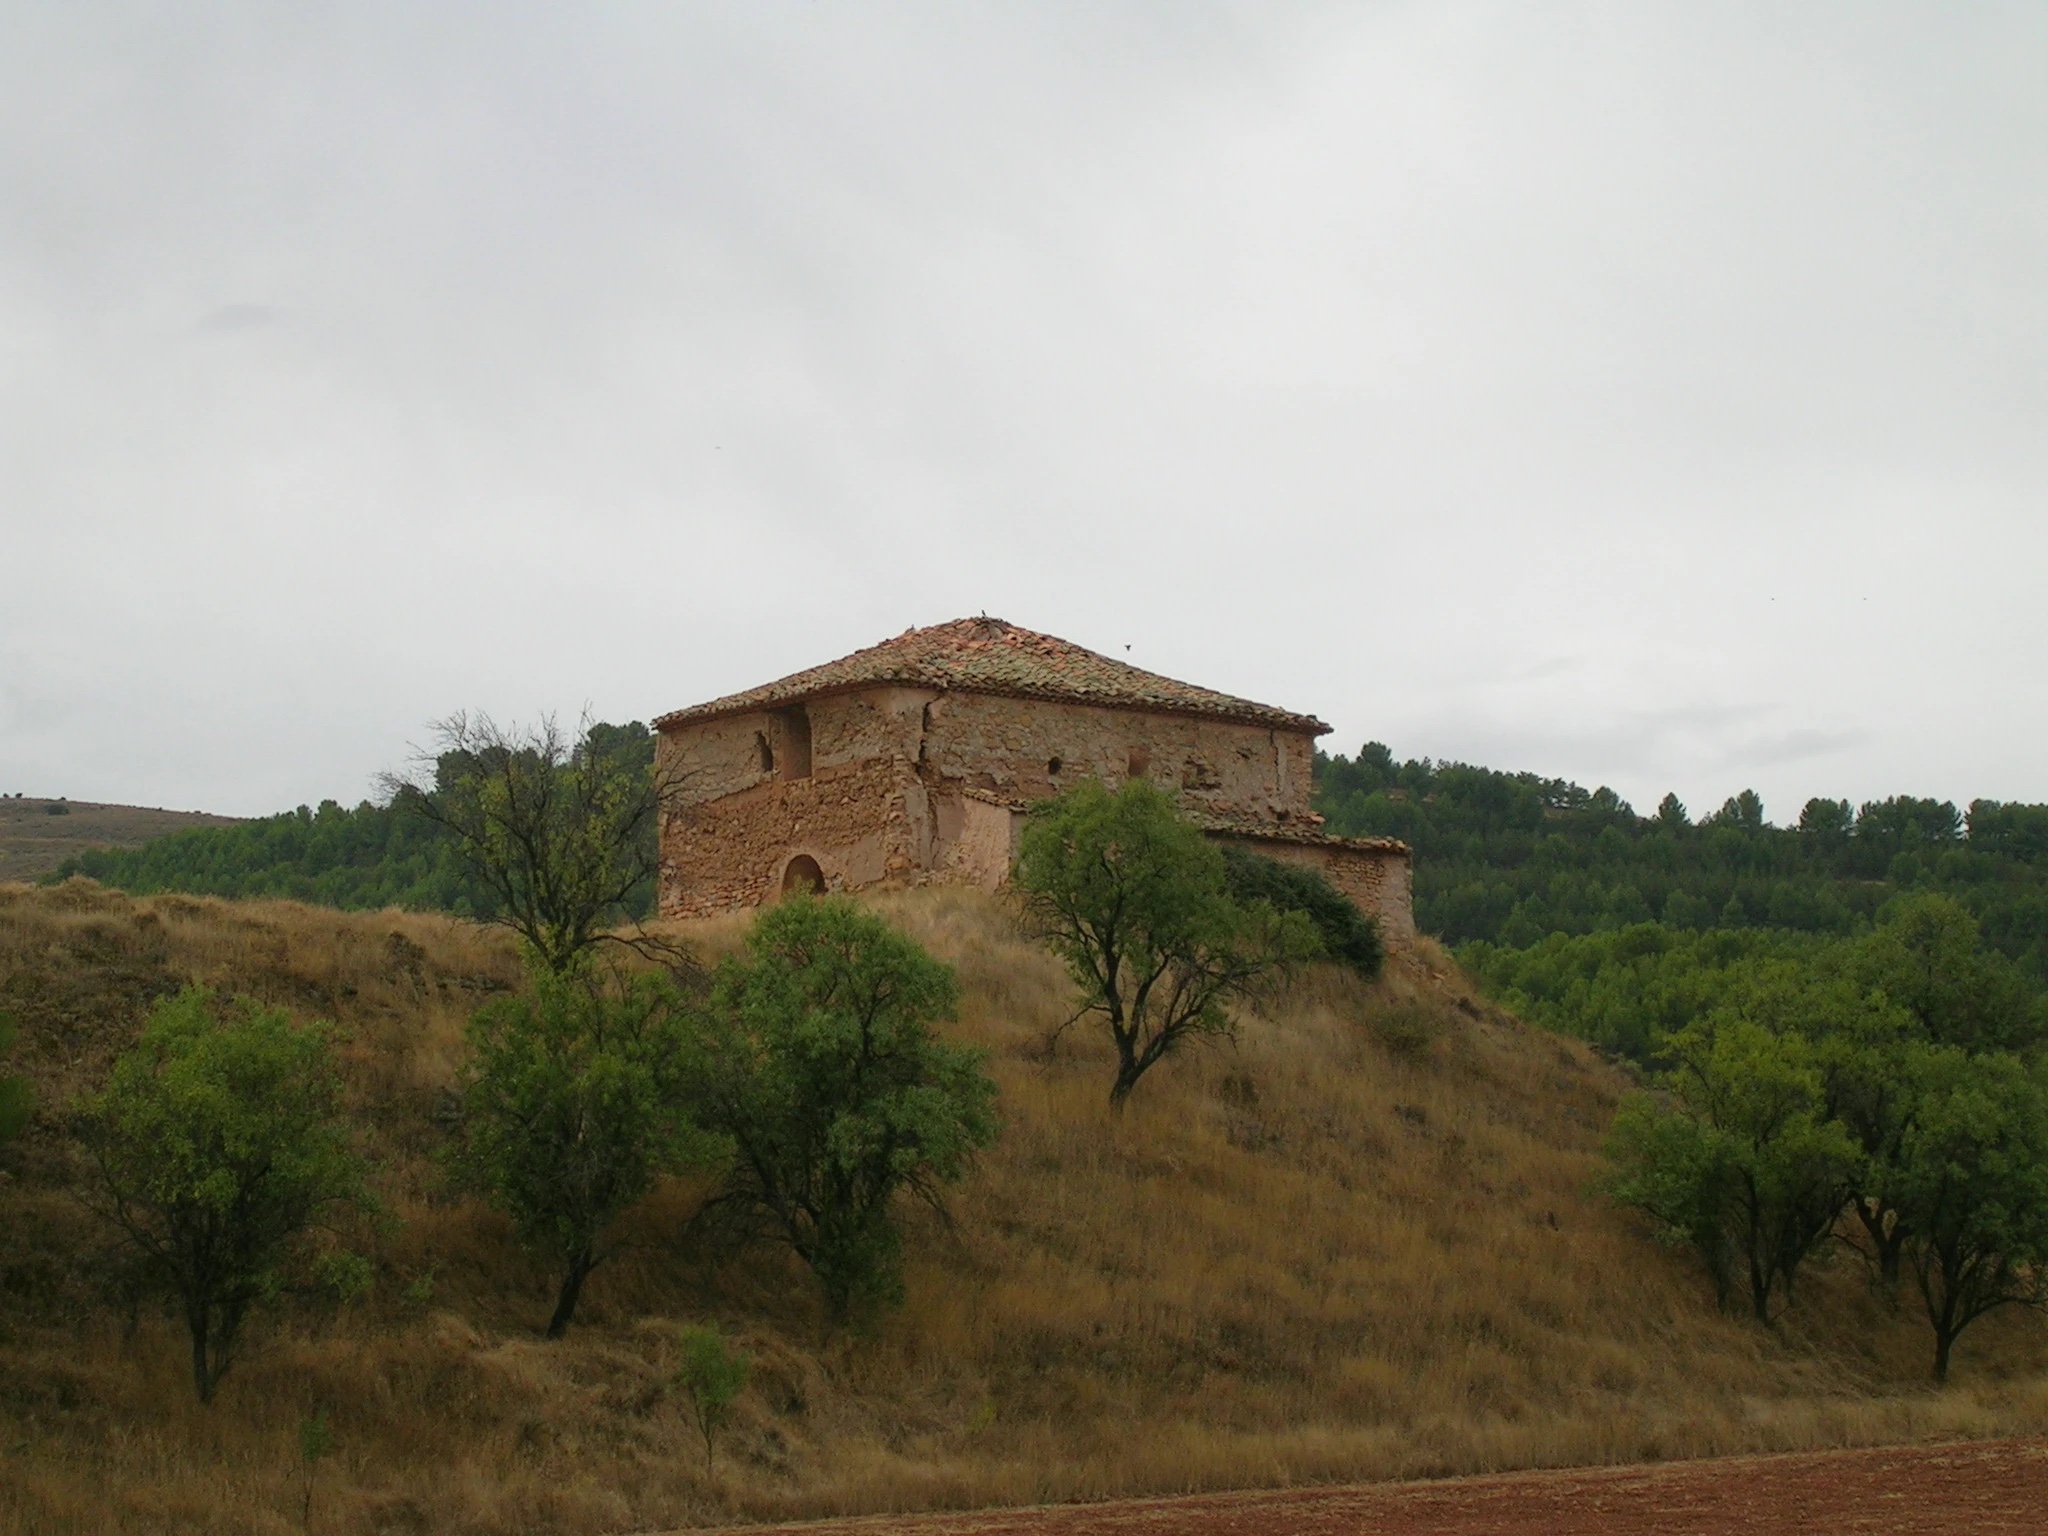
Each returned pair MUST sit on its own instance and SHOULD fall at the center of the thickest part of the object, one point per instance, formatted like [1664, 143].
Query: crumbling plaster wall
[707, 760]
[1005, 747]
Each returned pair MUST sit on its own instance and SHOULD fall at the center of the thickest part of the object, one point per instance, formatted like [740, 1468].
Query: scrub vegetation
[1360, 1241]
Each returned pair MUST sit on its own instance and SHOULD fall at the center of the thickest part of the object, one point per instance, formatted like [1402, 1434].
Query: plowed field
[1997, 1488]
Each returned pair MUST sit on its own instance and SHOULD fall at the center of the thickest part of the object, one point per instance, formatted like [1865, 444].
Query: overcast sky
[1651, 395]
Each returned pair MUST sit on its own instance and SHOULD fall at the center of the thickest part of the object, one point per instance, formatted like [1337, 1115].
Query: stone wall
[854, 819]
[1023, 750]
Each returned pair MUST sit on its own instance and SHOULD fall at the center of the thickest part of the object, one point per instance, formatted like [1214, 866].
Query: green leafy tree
[1873, 1059]
[1737, 1156]
[1973, 1192]
[1928, 956]
[824, 1070]
[219, 1145]
[562, 832]
[576, 1104]
[17, 1099]
[1136, 901]
[711, 1375]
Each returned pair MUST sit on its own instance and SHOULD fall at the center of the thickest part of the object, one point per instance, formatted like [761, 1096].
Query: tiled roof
[986, 655]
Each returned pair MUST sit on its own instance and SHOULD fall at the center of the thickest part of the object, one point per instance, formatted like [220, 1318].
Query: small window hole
[1141, 762]
[767, 752]
[1052, 767]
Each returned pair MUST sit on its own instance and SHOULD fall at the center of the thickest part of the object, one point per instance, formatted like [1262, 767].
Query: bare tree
[562, 831]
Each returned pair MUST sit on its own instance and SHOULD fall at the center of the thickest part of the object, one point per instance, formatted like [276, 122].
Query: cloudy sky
[1654, 395]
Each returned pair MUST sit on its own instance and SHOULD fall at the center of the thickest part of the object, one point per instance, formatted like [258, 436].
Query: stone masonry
[915, 761]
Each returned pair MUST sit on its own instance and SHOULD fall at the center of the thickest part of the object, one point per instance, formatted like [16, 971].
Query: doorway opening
[802, 874]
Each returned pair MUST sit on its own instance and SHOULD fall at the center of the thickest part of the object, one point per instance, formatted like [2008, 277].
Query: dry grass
[1357, 1245]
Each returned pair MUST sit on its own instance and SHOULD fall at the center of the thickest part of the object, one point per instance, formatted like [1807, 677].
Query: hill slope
[1359, 1245]
[35, 838]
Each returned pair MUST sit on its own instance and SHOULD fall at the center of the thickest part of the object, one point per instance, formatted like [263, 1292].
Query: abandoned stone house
[916, 760]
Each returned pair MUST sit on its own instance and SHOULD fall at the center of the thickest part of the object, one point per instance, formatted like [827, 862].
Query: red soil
[1997, 1488]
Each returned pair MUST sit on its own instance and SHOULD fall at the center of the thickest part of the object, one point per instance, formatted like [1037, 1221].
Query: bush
[1349, 936]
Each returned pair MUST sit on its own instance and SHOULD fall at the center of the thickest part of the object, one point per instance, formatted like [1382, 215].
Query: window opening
[796, 744]
[767, 752]
[1052, 767]
[1141, 762]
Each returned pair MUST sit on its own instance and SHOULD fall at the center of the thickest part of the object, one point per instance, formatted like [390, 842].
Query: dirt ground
[1997, 1488]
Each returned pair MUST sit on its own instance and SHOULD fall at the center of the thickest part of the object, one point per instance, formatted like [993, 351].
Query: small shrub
[711, 1376]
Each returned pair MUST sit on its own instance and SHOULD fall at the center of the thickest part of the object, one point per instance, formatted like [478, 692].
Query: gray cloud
[230, 318]
[1646, 395]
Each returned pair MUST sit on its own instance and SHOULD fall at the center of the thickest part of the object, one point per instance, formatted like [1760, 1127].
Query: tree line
[1512, 858]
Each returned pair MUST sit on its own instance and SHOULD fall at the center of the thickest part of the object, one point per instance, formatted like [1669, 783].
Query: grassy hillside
[1358, 1245]
[36, 836]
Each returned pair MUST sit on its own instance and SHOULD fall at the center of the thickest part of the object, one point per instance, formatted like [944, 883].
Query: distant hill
[38, 835]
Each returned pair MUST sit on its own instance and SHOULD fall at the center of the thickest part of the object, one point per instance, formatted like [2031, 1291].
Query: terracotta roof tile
[985, 655]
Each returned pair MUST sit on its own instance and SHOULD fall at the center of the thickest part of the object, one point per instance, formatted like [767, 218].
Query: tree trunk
[202, 1376]
[1759, 1288]
[1127, 1074]
[1944, 1340]
[1889, 1241]
[572, 1287]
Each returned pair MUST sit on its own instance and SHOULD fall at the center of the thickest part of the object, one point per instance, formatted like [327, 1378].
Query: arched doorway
[802, 874]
